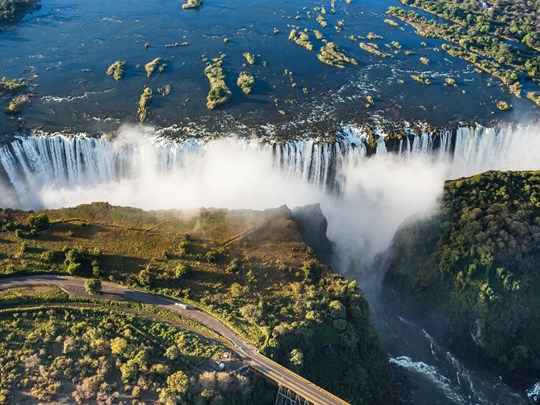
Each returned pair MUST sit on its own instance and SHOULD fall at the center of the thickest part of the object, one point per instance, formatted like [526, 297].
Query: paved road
[260, 363]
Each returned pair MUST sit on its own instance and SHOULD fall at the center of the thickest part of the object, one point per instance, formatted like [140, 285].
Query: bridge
[292, 388]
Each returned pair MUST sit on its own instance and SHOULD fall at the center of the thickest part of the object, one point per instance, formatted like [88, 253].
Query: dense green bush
[476, 263]
[91, 355]
[13, 10]
[38, 221]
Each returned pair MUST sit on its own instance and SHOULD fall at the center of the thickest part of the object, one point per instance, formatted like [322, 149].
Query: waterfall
[30, 163]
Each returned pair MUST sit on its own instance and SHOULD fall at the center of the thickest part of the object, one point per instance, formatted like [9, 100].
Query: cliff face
[470, 273]
[313, 226]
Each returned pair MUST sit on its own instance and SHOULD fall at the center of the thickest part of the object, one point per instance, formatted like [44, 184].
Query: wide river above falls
[66, 47]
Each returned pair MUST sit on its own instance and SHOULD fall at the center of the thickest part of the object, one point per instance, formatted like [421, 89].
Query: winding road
[115, 292]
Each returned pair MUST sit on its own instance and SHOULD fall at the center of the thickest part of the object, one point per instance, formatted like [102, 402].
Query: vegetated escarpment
[470, 273]
[252, 270]
[13, 10]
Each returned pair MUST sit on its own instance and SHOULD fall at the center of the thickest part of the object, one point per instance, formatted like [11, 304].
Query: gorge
[366, 192]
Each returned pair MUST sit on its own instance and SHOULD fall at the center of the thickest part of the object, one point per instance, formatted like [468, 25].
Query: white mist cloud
[379, 193]
[378, 197]
[228, 174]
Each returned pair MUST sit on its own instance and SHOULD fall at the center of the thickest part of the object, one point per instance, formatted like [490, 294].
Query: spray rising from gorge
[364, 190]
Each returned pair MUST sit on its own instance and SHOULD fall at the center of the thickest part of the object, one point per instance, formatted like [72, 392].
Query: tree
[337, 310]
[297, 358]
[181, 271]
[92, 286]
[237, 290]
[118, 345]
[308, 269]
[178, 383]
[251, 313]
[146, 278]
[38, 221]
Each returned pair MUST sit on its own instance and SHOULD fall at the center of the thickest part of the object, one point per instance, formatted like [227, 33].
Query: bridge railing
[299, 377]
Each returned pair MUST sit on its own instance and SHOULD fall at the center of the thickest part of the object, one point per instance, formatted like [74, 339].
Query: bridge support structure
[287, 397]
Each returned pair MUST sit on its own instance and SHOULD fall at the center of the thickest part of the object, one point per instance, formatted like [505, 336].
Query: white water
[534, 392]
[36, 167]
[430, 373]
[376, 194]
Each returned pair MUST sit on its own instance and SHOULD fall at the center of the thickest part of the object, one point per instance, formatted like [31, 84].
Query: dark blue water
[57, 42]
[54, 45]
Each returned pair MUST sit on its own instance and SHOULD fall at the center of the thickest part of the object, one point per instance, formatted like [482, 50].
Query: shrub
[146, 277]
[211, 256]
[181, 271]
[73, 268]
[38, 221]
[92, 286]
[235, 266]
[47, 256]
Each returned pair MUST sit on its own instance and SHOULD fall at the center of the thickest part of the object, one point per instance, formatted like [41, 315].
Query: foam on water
[431, 373]
[534, 392]
[30, 163]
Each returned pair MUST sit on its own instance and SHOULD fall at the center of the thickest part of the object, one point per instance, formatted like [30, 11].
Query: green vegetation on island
[391, 22]
[322, 22]
[374, 49]
[470, 273]
[517, 21]
[250, 58]
[301, 38]
[503, 105]
[14, 10]
[421, 78]
[151, 67]
[17, 104]
[11, 86]
[219, 93]
[192, 4]
[448, 81]
[116, 70]
[318, 35]
[246, 81]
[252, 270]
[483, 35]
[534, 97]
[144, 102]
[164, 90]
[331, 55]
